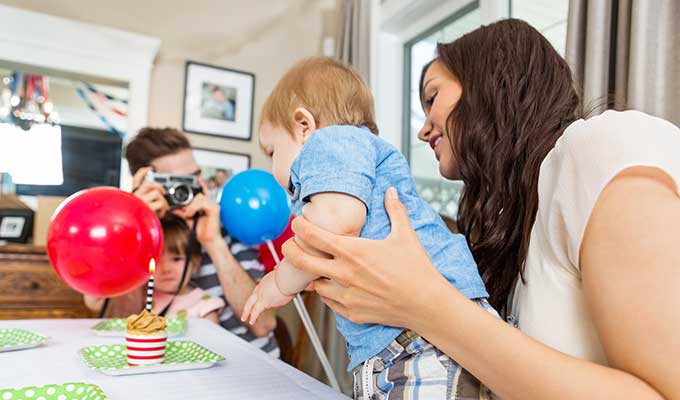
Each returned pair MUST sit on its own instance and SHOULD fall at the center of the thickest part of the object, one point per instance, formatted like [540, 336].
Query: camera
[179, 189]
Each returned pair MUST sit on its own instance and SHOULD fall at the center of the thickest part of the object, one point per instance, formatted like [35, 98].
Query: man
[221, 177]
[229, 268]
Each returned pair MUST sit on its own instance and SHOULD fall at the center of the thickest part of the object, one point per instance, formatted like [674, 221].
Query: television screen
[90, 157]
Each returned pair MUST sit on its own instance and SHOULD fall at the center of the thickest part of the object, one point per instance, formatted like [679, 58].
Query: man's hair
[153, 143]
[333, 92]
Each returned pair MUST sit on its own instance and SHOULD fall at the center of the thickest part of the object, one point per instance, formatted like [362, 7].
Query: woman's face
[441, 92]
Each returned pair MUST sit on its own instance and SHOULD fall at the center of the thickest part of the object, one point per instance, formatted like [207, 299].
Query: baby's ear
[304, 123]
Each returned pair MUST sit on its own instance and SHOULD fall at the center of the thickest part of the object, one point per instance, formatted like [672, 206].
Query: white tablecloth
[247, 373]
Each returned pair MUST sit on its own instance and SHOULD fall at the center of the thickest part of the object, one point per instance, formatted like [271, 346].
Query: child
[190, 301]
[318, 127]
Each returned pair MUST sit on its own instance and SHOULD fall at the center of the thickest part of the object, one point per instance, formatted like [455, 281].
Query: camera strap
[191, 242]
[105, 305]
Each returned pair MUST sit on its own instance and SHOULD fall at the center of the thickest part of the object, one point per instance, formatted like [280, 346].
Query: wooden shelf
[29, 287]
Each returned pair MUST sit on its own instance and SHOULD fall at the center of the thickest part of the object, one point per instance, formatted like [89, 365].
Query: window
[548, 16]
[442, 194]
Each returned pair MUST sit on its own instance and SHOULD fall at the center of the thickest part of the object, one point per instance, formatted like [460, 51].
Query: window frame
[406, 78]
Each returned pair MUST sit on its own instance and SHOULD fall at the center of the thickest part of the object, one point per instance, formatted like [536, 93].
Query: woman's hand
[370, 281]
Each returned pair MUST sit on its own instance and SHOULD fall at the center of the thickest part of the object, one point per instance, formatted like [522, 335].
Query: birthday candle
[149, 288]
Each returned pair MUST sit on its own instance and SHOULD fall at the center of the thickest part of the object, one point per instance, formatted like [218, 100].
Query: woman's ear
[303, 124]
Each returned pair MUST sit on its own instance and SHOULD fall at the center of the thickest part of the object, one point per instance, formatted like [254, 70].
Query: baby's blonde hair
[333, 92]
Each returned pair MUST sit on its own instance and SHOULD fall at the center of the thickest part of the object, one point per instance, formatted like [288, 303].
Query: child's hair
[333, 92]
[176, 235]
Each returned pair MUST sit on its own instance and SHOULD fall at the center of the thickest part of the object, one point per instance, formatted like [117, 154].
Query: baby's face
[282, 147]
[169, 272]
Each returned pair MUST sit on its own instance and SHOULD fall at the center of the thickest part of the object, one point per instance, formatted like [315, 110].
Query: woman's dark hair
[517, 98]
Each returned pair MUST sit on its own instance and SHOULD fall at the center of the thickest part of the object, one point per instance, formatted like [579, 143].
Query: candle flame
[152, 265]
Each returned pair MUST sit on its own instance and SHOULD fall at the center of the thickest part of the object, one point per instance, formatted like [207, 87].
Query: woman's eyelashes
[429, 101]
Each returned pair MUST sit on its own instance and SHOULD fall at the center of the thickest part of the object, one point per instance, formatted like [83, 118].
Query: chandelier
[24, 101]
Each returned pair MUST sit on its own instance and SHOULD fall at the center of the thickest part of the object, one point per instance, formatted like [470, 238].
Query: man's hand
[208, 229]
[152, 194]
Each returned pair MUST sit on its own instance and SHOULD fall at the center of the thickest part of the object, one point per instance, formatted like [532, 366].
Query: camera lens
[181, 194]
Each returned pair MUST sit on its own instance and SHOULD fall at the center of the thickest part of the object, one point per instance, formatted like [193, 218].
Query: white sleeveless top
[551, 306]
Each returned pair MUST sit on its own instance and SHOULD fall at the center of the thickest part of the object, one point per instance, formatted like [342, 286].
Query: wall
[263, 37]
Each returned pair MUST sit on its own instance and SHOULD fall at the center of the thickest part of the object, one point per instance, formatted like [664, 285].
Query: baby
[319, 129]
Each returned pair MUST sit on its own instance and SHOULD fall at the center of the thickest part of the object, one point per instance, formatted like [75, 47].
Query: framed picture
[218, 101]
[218, 166]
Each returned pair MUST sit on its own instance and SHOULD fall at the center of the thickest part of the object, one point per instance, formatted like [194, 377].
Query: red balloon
[101, 240]
[266, 256]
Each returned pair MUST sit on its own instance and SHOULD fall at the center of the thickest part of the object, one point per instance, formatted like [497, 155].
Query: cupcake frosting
[145, 323]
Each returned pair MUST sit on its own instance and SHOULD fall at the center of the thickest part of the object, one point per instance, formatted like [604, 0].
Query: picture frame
[211, 161]
[218, 101]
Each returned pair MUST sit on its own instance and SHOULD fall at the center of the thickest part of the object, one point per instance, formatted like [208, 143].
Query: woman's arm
[630, 263]
[366, 274]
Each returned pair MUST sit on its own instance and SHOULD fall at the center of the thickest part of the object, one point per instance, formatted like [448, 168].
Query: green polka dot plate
[17, 339]
[180, 355]
[116, 327]
[70, 391]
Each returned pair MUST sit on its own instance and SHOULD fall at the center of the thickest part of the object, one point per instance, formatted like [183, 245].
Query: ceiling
[182, 24]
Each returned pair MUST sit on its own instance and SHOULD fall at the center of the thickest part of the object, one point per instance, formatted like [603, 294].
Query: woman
[579, 217]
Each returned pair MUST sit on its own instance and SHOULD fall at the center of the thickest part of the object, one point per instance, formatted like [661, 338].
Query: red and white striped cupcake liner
[145, 349]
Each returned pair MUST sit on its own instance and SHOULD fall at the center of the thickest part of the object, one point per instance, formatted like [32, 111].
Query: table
[247, 372]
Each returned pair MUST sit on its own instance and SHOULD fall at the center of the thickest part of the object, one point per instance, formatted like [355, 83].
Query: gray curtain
[353, 48]
[353, 37]
[625, 54]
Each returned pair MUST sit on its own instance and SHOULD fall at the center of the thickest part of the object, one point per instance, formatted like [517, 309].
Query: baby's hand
[265, 295]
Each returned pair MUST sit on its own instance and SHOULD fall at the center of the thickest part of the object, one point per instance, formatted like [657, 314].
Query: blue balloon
[254, 208]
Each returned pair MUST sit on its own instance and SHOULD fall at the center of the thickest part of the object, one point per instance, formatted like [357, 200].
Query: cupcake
[145, 338]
